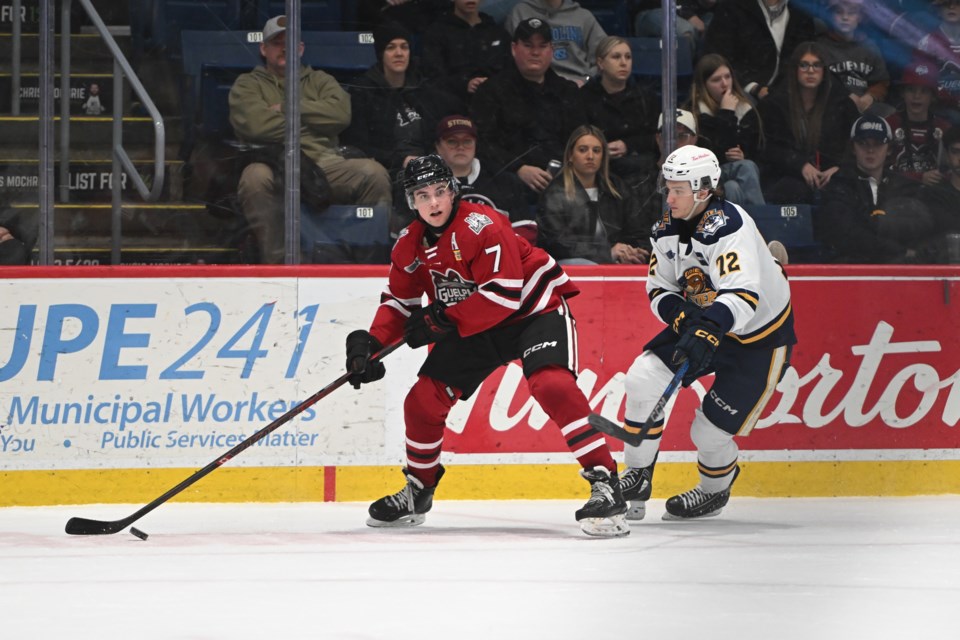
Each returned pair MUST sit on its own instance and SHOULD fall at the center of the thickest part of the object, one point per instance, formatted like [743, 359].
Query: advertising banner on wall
[138, 369]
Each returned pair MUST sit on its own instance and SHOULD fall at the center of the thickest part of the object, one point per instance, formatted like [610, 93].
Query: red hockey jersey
[479, 269]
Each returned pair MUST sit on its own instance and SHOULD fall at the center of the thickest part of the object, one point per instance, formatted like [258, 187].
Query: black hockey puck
[138, 533]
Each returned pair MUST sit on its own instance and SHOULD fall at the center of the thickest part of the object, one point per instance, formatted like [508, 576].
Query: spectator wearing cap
[854, 58]
[576, 34]
[395, 110]
[943, 200]
[456, 143]
[917, 152]
[463, 48]
[806, 124]
[757, 38]
[256, 114]
[525, 113]
[868, 214]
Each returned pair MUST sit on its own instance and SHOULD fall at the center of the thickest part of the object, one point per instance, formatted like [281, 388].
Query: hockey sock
[425, 414]
[556, 390]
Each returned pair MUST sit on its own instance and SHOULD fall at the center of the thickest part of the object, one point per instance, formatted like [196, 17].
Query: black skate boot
[636, 484]
[406, 508]
[602, 515]
[697, 503]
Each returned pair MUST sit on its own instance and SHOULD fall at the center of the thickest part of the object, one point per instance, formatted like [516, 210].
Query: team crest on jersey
[697, 286]
[662, 224]
[450, 287]
[711, 222]
[477, 221]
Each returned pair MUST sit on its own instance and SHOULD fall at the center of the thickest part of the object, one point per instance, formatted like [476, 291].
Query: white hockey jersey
[720, 261]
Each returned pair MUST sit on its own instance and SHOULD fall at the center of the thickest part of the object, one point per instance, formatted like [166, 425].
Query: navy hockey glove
[427, 325]
[698, 343]
[360, 346]
[688, 313]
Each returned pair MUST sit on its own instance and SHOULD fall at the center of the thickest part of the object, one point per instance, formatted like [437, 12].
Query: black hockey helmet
[426, 170]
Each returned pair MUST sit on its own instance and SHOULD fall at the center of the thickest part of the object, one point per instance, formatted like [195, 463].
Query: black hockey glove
[360, 346]
[688, 313]
[427, 325]
[698, 343]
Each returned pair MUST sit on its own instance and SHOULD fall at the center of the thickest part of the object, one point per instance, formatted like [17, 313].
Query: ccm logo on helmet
[538, 347]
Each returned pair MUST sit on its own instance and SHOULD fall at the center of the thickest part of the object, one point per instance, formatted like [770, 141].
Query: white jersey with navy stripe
[721, 258]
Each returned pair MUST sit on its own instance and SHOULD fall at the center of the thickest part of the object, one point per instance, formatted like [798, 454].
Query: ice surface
[766, 568]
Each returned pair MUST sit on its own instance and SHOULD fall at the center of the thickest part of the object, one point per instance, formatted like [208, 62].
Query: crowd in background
[848, 106]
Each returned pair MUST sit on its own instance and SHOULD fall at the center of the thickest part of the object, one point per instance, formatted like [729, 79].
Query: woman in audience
[807, 122]
[624, 112]
[729, 126]
[587, 215]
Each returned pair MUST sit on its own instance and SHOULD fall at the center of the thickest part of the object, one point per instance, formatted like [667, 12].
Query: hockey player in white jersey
[726, 303]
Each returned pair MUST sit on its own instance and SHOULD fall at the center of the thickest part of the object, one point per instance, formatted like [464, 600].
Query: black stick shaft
[87, 527]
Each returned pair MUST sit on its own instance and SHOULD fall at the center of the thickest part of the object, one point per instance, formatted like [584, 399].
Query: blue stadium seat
[790, 224]
[315, 15]
[346, 234]
[157, 24]
[647, 58]
[612, 15]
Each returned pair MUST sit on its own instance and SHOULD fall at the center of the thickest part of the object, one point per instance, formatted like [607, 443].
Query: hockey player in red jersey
[493, 298]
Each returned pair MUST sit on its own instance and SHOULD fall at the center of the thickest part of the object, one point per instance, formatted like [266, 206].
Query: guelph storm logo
[451, 288]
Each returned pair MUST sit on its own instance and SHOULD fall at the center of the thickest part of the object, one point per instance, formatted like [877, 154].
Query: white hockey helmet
[695, 165]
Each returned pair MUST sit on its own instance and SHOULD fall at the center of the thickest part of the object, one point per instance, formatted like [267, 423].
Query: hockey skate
[406, 508]
[697, 503]
[636, 484]
[602, 515]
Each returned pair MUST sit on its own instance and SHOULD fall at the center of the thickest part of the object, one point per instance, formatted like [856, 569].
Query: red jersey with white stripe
[479, 269]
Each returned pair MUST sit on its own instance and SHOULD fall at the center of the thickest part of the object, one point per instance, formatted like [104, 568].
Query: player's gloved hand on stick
[686, 314]
[698, 343]
[427, 325]
[360, 347]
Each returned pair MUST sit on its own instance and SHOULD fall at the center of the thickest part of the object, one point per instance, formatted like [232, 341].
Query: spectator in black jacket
[625, 113]
[587, 215]
[395, 111]
[463, 48]
[742, 31]
[869, 214]
[525, 113]
[943, 202]
[806, 122]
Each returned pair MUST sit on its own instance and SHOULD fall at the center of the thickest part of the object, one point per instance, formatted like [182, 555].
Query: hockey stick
[86, 527]
[632, 435]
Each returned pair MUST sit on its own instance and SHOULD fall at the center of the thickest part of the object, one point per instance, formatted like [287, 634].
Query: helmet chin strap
[697, 201]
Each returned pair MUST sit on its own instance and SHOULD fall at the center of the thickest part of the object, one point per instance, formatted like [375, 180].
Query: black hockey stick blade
[87, 527]
[633, 435]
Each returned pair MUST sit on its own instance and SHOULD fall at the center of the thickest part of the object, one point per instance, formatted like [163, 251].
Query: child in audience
[916, 150]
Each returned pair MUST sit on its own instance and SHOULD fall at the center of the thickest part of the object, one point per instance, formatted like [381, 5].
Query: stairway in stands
[174, 230]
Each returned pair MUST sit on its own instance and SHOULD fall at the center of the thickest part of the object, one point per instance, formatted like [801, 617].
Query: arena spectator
[943, 44]
[917, 152]
[806, 123]
[729, 126]
[395, 111]
[587, 215]
[854, 58]
[525, 113]
[692, 19]
[256, 114]
[456, 144]
[625, 113]
[943, 202]
[414, 15]
[757, 38]
[576, 34]
[868, 214]
[463, 48]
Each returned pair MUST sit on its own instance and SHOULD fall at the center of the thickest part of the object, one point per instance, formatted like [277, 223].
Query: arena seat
[791, 224]
[346, 234]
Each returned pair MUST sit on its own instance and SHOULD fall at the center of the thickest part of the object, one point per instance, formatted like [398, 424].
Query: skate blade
[669, 516]
[612, 527]
[405, 521]
[637, 511]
